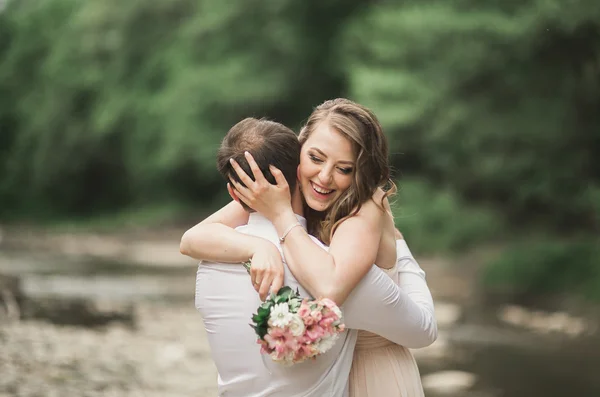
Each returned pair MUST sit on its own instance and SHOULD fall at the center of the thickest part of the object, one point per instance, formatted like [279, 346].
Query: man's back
[226, 301]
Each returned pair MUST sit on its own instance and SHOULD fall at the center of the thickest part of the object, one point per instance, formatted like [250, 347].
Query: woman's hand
[260, 195]
[266, 270]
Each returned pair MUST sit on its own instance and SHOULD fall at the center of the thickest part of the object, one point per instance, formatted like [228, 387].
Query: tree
[498, 100]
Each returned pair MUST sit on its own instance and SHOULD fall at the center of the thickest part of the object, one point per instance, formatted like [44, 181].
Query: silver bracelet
[289, 229]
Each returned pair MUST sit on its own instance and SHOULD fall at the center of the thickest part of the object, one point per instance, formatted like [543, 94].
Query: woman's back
[386, 254]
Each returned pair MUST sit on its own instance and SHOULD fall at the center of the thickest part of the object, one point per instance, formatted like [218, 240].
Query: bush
[497, 99]
[549, 266]
[107, 104]
[436, 220]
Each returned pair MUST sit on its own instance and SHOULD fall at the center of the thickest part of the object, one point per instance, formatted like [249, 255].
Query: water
[530, 365]
[506, 361]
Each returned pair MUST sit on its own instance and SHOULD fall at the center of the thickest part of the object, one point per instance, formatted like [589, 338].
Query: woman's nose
[325, 176]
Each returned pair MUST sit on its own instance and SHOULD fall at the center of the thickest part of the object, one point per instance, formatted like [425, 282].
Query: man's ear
[232, 193]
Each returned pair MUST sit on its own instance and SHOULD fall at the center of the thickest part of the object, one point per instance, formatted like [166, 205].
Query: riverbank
[163, 349]
[166, 354]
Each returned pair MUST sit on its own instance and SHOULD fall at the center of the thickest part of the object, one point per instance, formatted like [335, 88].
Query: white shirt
[226, 300]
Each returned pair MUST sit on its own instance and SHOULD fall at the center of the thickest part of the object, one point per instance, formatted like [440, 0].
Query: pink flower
[304, 351]
[264, 346]
[331, 306]
[328, 303]
[317, 324]
[281, 341]
[304, 309]
[316, 315]
[276, 332]
[331, 314]
[327, 322]
[315, 332]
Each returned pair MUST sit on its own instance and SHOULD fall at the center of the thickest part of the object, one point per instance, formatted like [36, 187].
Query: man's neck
[297, 205]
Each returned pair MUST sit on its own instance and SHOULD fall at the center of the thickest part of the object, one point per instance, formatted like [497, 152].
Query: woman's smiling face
[327, 165]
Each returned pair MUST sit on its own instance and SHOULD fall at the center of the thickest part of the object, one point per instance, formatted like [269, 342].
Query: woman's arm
[352, 253]
[353, 248]
[215, 240]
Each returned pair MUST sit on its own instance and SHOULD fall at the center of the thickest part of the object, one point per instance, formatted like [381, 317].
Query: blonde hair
[360, 126]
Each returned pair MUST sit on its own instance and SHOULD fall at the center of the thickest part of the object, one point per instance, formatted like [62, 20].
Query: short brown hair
[269, 142]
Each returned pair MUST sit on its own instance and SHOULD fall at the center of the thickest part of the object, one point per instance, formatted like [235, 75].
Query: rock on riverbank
[165, 355]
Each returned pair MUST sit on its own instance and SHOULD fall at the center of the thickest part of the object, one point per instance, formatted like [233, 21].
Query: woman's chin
[316, 205]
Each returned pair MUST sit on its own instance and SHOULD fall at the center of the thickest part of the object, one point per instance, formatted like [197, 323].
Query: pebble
[447, 314]
[448, 382]
[543, 322]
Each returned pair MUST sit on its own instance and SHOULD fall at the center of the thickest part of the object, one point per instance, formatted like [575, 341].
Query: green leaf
[285, 291]
[263, 312]
[256, 318]
[261, 331]
[295, 304]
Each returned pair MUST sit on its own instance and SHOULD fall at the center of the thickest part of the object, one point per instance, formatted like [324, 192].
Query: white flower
[296, 325]
[280, 315]
[326, 343]
[337, 312]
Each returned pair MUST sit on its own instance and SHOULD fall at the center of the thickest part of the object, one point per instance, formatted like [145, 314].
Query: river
[477, 353]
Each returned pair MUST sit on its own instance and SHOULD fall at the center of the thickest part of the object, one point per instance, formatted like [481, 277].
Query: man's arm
[403, 314]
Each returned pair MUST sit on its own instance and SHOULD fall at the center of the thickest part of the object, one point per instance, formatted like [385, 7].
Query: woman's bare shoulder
[378, 204]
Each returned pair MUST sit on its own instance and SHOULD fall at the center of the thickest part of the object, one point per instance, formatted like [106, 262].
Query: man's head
[270, 143]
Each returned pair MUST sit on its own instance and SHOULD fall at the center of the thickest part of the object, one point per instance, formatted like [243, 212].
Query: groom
[226, 299]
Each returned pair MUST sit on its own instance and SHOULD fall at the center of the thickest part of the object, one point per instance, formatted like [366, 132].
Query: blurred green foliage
[108, 105]
[437, 219]
[498, 99]
[547, 266]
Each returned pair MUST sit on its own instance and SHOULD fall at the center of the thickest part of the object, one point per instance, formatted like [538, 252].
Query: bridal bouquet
[291, 329]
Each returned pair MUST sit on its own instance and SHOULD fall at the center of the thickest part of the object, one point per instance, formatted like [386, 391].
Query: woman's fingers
[258, 175]
[277, 283]
[278, 175]
[261, 281]
[243, 193]
[263, 290]
[239, 187]
[256, 276]
[241, 173]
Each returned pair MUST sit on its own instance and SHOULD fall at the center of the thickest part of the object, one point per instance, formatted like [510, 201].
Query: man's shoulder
[220, 267]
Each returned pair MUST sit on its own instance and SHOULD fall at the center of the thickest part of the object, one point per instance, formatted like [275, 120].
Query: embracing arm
[404, 313]
[216, 240]
[352, 252]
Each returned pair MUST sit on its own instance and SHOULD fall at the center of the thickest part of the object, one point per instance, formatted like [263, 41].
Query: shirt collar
[258, 219]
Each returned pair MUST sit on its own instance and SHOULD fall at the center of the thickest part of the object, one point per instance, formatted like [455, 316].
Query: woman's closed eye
[315, 159]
